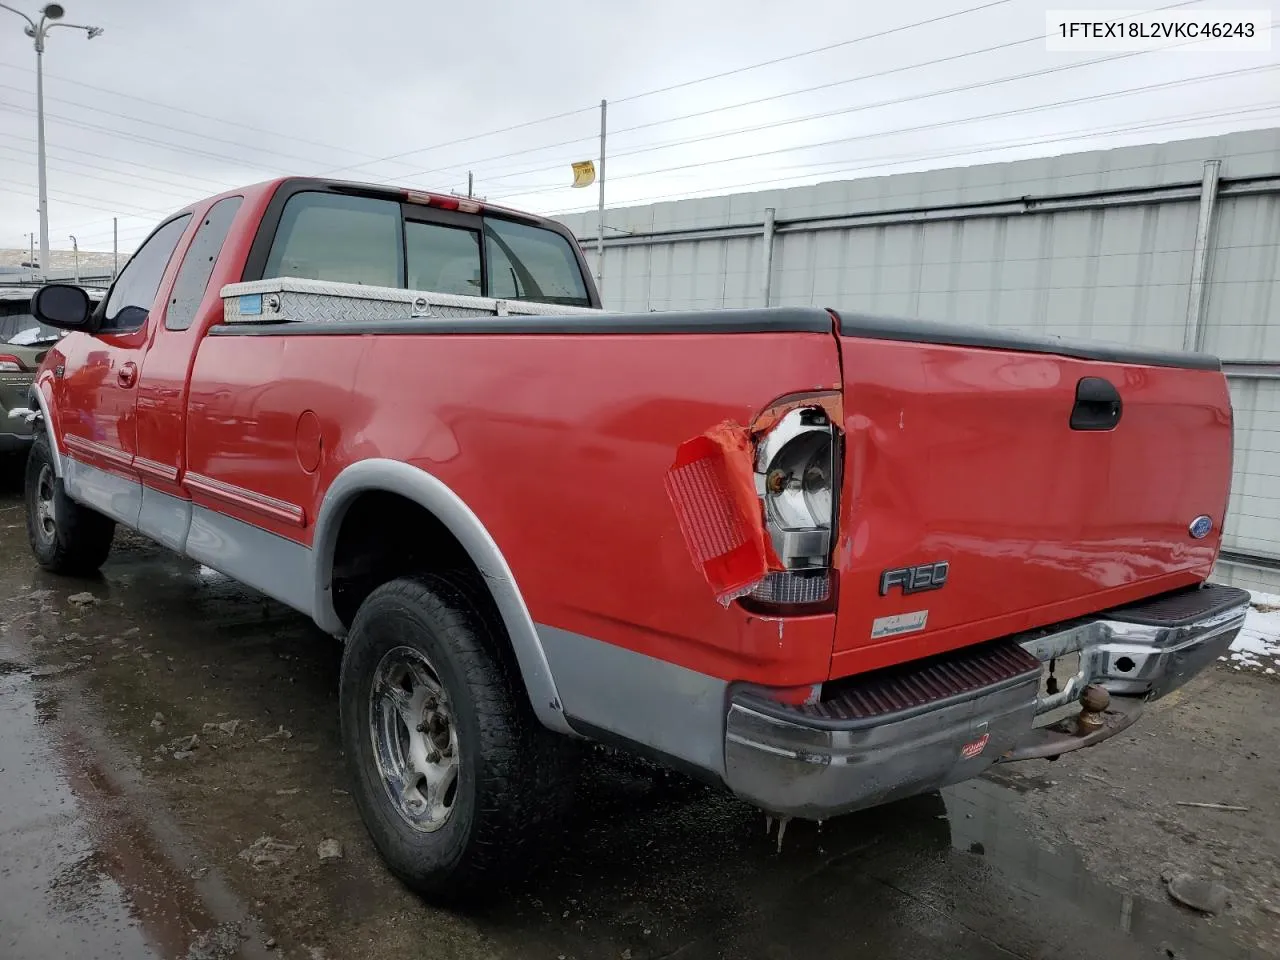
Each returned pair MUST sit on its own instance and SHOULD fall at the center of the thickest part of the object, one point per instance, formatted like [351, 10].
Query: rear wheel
[452, 772]
[65, 537]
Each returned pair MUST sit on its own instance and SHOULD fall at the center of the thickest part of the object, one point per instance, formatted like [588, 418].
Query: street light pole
[75, 249]
[38, 31]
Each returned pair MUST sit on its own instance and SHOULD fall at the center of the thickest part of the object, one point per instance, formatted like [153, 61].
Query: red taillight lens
[709, 486]
[11, 364]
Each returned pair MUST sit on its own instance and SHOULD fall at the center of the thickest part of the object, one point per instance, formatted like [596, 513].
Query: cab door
[97, 379]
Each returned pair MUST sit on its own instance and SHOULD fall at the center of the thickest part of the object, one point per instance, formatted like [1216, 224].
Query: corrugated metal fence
[1171, 245]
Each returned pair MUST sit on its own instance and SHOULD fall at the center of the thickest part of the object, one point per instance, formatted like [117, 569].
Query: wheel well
[383, 536]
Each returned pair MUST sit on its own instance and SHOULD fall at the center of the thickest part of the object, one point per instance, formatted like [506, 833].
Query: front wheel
[452, 772]
[65, 536]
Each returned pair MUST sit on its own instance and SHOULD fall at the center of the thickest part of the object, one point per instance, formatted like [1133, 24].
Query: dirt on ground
[170, 765]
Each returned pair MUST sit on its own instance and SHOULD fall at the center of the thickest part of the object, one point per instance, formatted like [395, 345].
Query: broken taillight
[709, 486]
[795, 473]
[757, 506]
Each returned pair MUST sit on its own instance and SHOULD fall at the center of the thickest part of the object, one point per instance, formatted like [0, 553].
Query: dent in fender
[412, 483]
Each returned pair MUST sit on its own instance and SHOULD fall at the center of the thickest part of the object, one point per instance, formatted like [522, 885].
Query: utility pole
[75, 248]
[38, 31]
[471, 183]
[604, 112]
[115, 247]
[31, 257]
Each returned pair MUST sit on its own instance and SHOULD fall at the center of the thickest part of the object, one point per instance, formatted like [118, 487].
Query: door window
[130, 301]
[330, 236]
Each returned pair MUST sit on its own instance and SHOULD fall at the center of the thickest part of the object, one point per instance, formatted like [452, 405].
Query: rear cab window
[532, 263]
[347, 238]
[332, 236]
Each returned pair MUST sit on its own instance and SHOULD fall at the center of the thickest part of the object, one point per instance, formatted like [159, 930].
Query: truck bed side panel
[559, 444]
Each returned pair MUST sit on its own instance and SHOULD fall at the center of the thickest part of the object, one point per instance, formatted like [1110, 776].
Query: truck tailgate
[963, 452]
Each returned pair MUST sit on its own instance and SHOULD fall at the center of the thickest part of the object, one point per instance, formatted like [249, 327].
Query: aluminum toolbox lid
[286, 299]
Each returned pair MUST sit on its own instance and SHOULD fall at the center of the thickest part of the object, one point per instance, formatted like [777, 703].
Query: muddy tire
[65, 537]
[452, 773]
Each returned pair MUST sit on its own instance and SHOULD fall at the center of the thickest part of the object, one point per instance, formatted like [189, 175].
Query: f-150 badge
[926, 576]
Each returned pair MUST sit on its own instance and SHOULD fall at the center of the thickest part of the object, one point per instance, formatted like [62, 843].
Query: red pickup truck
[823, 559]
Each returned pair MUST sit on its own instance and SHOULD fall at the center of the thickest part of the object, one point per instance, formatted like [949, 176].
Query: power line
[677, 86]
[220, 184]
[80, 124]
[889, 72]
[204, 116]
[936, 124]
[166, 126]
[823, 115]
[90, 176]
[896, 159]
[746, 103]
[450, 143]
[62, 198]
[808, 53]
[990, 146]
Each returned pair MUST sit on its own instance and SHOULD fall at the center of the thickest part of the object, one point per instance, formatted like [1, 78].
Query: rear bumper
[897, 733]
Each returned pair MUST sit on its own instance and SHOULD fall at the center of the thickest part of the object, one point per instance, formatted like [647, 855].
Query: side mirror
[63, 306]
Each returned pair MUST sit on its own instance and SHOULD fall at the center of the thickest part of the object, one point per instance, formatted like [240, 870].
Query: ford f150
[823, 559]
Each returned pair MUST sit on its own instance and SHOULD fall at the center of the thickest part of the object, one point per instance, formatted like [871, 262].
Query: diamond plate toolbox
[287, 299]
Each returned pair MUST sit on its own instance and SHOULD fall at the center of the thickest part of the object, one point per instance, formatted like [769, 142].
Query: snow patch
[1257, 646]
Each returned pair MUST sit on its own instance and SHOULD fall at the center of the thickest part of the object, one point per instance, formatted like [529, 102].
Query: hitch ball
[1094, 701]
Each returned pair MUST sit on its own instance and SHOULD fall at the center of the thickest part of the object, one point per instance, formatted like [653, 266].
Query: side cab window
[197, 266]
[131, 298]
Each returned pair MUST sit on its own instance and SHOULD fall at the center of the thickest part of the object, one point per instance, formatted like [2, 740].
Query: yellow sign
[584, 173]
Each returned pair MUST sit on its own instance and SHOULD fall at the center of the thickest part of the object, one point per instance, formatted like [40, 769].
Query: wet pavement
[119, 838]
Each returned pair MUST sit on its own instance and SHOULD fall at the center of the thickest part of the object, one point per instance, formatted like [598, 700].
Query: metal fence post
[1193, 330]
[766, 254]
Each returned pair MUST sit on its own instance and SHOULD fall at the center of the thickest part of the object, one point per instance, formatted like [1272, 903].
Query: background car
[23, 344]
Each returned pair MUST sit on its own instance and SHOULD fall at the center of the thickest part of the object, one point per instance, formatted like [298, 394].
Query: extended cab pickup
[823, 559]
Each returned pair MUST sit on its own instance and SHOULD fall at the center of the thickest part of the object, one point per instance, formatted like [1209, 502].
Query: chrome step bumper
[1144, 650]
[918, 727]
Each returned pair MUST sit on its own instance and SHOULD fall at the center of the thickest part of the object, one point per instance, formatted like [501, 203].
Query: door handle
[1098, 405]
[127, 375]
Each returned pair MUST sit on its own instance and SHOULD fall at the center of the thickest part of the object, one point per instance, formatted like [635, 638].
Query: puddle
[980, 820]
[78, 875]
[57, 902]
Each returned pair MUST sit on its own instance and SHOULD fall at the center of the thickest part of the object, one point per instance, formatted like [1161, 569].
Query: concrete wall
[1162, 245]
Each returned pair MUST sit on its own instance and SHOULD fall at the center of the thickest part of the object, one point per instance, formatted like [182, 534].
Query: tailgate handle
[1098, 405]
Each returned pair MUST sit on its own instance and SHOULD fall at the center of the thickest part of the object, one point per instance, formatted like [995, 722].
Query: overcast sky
[179, 100]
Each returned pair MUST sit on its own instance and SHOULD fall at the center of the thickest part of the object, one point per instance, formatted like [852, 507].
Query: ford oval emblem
[1200, 527]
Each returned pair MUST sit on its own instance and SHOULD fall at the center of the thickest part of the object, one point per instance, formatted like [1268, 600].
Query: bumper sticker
[898, 623]
[971, 750]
